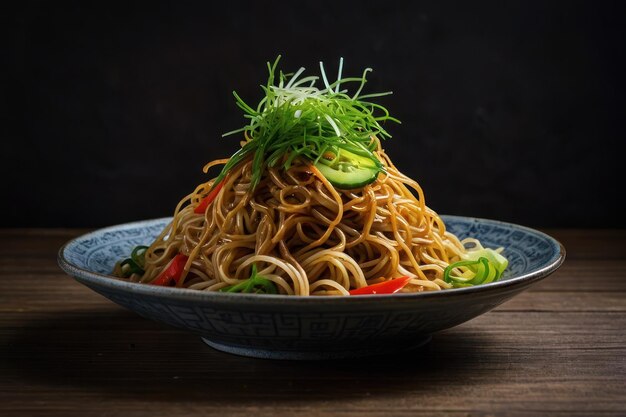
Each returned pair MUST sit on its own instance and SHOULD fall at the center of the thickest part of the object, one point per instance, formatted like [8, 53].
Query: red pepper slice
[387, 287]
[172, 272]
[201, 208]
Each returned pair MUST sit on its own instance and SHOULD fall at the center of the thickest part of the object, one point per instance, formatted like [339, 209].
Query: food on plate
[310, 204]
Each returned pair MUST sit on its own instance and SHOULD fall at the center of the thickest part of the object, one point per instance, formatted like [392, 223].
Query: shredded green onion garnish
[295, 118]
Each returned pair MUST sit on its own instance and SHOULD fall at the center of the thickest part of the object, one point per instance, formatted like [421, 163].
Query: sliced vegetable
[255, 284]
[139, 255]
[495, 258]
[129, 267]
[391, 286]
[201, 208]
[135, 264]
[478, 267]
[172, 273]
[347, 170]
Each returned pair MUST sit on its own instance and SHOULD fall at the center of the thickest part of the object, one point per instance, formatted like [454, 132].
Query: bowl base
[307, 355]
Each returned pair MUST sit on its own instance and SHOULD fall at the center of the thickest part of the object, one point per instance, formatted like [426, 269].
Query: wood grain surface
[557, 349]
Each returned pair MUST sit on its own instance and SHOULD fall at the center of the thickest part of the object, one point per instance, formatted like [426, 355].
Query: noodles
[310, 205]
[306, 236]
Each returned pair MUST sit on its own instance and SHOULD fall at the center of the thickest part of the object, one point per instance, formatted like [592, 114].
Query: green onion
[255, 284]
[129, 267]
[138, 255]
[296, 119]
[478, 267]
[136, 263]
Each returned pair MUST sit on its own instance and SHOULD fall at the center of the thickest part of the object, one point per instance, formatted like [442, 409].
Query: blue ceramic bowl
[288, 327]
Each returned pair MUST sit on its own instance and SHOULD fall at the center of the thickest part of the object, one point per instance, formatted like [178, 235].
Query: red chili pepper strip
[201, 208]
[387, 287]
[172, 272]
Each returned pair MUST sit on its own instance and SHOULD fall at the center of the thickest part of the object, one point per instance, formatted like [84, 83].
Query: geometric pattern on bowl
[288, 327]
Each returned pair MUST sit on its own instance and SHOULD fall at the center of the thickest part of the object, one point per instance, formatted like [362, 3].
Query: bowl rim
[86, 276]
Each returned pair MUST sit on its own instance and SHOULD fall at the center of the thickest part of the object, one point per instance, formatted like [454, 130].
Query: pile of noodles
[305, 235]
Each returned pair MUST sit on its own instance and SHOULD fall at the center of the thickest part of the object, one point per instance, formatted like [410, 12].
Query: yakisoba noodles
[316, 220]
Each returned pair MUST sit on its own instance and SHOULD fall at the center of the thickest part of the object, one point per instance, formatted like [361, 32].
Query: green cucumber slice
[348, 170]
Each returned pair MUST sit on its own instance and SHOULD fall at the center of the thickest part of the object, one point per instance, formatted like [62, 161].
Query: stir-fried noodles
[310, 205]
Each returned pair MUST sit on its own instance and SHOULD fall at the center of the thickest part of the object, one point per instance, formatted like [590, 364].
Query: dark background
[509, 110]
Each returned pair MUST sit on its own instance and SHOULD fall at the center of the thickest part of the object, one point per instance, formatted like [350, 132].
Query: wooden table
[558, 349]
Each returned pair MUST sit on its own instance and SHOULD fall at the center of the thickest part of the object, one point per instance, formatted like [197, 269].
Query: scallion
[255, 284]
[477, 267]
[296, 119]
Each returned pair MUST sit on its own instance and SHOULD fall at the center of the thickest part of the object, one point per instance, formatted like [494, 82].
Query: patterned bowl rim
[86, 276]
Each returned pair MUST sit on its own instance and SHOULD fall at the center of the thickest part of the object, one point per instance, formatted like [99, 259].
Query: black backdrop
[509, 110]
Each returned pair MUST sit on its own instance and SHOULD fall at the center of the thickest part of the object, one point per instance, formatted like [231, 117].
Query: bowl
[310, 328]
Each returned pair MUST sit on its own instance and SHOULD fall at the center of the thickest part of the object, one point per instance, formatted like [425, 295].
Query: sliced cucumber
[348, 170]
